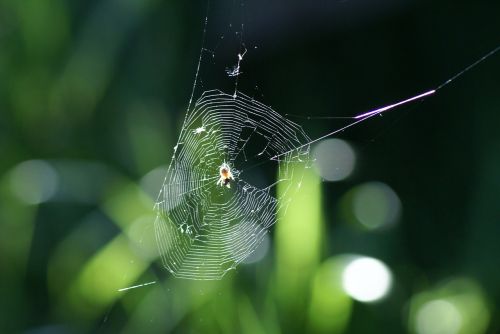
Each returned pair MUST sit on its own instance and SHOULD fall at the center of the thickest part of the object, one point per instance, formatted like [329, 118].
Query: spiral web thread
[204, 229]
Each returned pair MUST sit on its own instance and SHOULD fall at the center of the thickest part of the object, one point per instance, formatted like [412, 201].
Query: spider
[225, 175]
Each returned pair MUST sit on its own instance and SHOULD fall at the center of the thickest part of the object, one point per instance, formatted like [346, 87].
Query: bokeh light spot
[149, 185]
[261, 250]
[149, 182]
[366, 279]
[142, 238]
[334, 159]
[438, 317]
[376, 205]
[34, 181]
[458, 305]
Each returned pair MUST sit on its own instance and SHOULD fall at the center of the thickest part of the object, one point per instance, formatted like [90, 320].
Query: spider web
[202, 229]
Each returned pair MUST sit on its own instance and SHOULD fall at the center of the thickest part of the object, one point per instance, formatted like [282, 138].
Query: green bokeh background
[98, 90]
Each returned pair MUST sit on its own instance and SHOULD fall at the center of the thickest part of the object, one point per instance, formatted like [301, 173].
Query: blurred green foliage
[92, 96]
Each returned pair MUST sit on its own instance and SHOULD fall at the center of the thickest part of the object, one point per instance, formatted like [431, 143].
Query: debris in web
[235, 70]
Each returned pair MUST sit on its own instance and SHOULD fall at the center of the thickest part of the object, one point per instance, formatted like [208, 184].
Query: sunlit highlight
[391, 106]
[366, 279]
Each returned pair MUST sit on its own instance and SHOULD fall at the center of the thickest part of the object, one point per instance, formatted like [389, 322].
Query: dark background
[97, 91]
